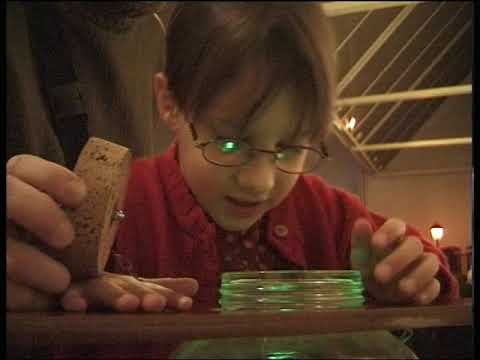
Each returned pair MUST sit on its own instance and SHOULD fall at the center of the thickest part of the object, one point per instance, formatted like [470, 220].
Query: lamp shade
[437, 231]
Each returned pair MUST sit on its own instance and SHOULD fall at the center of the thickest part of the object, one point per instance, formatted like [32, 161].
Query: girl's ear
[166, 105]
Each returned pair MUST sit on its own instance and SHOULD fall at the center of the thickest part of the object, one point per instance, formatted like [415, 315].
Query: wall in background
[422, 199]
[342, 170]
[451, 120]
[431, 184]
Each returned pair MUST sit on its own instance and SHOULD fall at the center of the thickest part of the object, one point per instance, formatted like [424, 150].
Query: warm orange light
[437, 231]
[350, 124]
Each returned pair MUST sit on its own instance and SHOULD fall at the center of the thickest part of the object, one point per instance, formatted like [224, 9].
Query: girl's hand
[395, 269]
[124, 293]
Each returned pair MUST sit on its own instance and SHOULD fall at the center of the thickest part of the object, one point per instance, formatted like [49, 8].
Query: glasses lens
[231, 152]
[297, 160]
[227, 152]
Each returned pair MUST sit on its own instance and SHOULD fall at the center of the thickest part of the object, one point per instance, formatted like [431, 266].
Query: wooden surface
[35, 329]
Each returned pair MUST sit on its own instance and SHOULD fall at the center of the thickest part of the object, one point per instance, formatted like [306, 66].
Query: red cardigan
[167, 234]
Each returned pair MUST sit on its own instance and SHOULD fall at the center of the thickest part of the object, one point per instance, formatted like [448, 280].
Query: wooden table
[42, 329]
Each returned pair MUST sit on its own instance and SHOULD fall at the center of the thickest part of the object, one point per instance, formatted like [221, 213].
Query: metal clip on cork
[104, 166]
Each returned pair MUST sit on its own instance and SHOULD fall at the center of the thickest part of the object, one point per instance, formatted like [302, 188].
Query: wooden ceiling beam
[414, 144]
[407, 95]
[394, 59]
[372, 50]
[338, 8]
[380, 123]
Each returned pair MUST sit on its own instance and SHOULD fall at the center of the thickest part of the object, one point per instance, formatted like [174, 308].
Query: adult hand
[36, 192]
[395, 269]
[124, 293]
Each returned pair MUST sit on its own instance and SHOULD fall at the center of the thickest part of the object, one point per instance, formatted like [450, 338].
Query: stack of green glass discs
[295, 291]
[291, 290]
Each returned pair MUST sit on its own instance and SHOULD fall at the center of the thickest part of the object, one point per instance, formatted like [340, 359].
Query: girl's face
[236, 197]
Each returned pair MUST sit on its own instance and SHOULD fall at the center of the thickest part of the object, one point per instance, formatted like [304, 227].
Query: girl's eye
[228, 146]
[288, 153]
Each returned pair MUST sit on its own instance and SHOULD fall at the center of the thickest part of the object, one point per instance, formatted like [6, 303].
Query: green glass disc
[291, 290]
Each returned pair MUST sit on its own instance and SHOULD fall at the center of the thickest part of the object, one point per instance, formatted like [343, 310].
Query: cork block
[104, 166]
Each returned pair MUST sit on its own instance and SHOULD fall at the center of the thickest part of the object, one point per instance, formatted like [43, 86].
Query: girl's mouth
[243, 209]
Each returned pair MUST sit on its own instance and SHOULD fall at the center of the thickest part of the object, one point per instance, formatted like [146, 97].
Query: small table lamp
[437, 231]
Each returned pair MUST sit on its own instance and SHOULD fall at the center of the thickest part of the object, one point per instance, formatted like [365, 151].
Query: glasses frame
[201, 145]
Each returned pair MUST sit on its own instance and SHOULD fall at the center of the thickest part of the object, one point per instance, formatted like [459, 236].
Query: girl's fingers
[423, 273]
[153, 302]
[176, 292]
[151, 298]
[360, 253]
[393, 264]
[125, 293]
[73, 300]
[429, 293]
[174, 299]
[185, 286]
[104, 293]
[387, 237]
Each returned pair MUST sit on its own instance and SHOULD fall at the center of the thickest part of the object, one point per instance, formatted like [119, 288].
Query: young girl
[248, 92]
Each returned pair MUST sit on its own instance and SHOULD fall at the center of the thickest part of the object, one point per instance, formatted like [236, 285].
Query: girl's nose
[257, 177]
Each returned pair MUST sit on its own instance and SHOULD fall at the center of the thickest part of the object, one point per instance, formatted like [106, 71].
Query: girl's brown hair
[289, 43]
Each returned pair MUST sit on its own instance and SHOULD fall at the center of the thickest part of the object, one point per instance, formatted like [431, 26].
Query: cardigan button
[281, 231]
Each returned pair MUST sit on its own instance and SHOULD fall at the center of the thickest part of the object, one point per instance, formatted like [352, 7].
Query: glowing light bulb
[437, 233]
[350, 125]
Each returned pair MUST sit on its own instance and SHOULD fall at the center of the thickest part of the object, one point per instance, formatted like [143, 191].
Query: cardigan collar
[283, 229]
[189, 215]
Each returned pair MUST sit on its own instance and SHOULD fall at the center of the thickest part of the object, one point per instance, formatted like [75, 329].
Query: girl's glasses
[292, 159]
